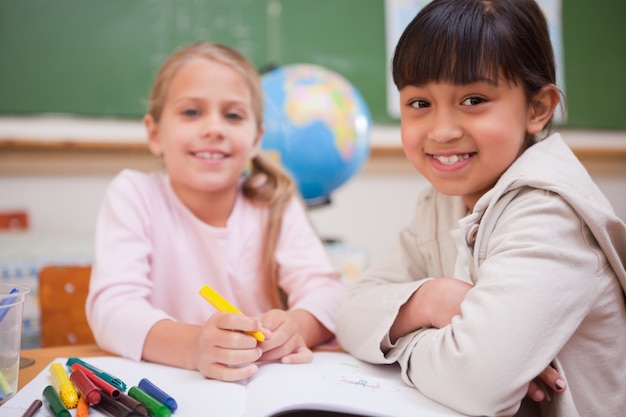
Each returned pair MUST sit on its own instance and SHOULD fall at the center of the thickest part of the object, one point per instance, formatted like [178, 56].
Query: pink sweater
[152, 255]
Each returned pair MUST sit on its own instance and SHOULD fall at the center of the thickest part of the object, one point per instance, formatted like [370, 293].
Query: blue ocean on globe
[317, 125]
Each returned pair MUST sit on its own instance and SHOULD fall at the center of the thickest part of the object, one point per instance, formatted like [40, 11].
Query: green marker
[53, 403]
[155, 408]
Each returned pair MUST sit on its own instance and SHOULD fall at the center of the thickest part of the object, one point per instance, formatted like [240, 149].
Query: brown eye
[419, 104]
[473, 101]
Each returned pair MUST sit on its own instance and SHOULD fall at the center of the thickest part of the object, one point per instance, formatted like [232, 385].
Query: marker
[158, 394]
[5, 387]
[82, 409]
[114, 408]
[133, 404]
[4, 311]
[224, 306]
[155, 408]
[63, 385]
[32, 409]
[116, 382]
[53, 403]
[87, 388]
[100, 383]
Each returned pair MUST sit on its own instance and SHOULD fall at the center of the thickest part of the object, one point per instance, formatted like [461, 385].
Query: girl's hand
[551, 378]
[285, 342]
[434, 304]
[443, 298]
[223, 351]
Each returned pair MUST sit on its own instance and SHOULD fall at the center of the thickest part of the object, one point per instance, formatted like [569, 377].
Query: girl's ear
[152, 129]
[259, 135]
[257, 142]
[542, 108]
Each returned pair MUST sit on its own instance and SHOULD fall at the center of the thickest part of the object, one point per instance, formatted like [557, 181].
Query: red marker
[100, 383]
[87, 388]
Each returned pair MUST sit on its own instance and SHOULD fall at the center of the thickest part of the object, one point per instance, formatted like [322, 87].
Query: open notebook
[334, 382]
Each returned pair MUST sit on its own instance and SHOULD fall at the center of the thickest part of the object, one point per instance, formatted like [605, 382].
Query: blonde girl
[222, 214]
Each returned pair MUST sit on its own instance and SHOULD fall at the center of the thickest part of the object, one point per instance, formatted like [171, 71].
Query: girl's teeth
[452, 159]
[208, 155]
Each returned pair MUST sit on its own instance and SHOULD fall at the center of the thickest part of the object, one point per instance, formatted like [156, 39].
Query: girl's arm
[172, 343]
[435, 303]
[532, 292]
[432, 305]
[313, 332]
[425, 249]
[116, 307]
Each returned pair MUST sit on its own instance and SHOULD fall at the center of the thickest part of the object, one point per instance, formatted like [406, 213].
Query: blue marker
[4, 311]
[155, 392]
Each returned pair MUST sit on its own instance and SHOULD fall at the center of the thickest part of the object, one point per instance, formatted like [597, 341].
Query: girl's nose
[444, 127]
[212, 126]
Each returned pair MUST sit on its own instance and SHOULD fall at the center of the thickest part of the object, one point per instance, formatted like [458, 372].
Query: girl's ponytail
[269, 184]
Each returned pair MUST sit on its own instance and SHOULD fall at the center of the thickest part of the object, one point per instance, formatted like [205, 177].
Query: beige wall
[62, 190]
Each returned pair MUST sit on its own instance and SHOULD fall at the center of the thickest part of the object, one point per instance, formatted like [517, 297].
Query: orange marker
[82, 410]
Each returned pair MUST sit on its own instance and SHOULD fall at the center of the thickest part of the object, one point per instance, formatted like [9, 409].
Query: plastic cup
[11, 308]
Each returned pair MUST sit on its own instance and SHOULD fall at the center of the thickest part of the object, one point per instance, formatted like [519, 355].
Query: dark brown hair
[465, 41]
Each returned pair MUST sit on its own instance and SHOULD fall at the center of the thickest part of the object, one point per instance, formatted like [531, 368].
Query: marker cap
[53, 403]
[87, 388]
[99, 382]
[64, 386]
[158, 394]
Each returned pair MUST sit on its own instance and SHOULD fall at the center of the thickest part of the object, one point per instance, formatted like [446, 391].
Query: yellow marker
[65, 387]
[224, 306]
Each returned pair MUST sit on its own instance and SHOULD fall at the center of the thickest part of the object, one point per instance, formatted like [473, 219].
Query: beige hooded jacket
[545, 254]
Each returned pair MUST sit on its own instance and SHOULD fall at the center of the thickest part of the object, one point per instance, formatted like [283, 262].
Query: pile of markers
[87, 386]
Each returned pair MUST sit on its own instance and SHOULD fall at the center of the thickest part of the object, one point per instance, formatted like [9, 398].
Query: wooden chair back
[62, 294]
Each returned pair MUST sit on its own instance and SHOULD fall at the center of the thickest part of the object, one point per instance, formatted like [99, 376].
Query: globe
[317, 125]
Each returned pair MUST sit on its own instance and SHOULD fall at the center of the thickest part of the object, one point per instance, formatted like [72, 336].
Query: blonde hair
[267, 184]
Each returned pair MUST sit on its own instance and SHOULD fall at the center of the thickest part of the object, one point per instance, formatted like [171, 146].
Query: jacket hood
[552, 166]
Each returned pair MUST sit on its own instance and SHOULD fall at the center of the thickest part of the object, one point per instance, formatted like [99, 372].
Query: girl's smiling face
[463, 137]
[207, 131]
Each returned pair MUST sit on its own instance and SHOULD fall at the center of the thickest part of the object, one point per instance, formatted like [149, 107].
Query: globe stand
[317, 202]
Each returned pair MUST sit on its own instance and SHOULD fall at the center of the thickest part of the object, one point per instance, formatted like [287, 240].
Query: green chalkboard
[98, 57]
[594, 34]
